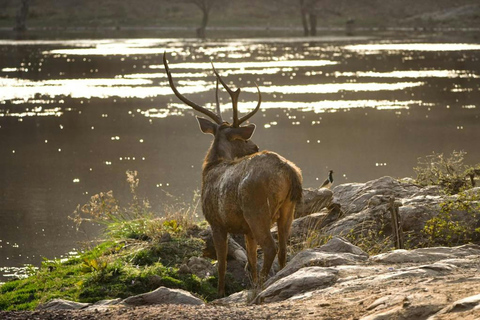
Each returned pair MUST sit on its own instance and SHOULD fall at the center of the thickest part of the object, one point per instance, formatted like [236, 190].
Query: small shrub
[129, 222]
[458, 221]
[448, 172]
[135, 221]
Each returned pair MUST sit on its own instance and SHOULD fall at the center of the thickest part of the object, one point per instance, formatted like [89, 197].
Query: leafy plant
[91, 265]
[172, 226]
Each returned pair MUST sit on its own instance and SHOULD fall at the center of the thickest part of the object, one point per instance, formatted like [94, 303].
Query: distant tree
[22, 14]
[311, 9]
[205, 6]
[309, 17]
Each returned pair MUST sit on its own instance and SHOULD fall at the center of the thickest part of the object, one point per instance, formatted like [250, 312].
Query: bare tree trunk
[350, 27]
[205, 6]
[313, 24]
[309, 17]
[397, 230]
[304, 13]
[22, 14]
[201, 30]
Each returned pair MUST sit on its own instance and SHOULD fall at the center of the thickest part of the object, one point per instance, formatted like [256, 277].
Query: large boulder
[313, 201]
[367, 207]
[373, 214]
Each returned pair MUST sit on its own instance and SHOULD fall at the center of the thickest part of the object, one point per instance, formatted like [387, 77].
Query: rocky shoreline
[334, 280]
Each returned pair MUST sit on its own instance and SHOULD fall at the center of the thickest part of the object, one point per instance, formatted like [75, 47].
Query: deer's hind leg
[260, 229]
[251, 246]
[284, 223]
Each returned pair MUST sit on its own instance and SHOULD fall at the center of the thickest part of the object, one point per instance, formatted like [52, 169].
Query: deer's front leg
[220, 243]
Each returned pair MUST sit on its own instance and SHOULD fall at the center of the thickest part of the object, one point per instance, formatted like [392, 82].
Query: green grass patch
[142, 252]
[108, 271]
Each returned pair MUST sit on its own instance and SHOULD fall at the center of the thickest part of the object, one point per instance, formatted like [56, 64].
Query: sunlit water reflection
[75, 115]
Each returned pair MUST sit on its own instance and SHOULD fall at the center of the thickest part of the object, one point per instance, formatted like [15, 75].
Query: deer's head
[231, 140]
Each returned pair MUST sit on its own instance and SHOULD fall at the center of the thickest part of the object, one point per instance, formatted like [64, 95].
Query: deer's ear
[243, 133]
[207, 126]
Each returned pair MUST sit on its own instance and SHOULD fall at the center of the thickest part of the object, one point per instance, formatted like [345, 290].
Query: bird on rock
[329, 181]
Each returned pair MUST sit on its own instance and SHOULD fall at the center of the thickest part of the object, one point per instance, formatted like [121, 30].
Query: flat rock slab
[462, 305]
[163, 295]
[61, 304]
[304, 280]
[426, 254]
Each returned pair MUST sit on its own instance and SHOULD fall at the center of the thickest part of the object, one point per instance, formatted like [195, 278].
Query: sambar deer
[244, 191]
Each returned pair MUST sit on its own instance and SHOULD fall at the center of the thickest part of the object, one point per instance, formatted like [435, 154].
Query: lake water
[76, 114]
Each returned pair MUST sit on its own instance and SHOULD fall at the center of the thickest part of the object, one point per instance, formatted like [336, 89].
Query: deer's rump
[257, 184]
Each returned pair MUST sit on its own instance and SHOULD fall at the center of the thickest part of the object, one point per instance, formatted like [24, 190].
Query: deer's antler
[248, 116]
[234, 96]
[217, 118]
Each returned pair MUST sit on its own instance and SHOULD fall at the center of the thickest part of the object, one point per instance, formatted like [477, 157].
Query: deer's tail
[296, 189]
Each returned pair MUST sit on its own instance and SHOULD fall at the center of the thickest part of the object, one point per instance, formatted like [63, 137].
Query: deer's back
[257, 184]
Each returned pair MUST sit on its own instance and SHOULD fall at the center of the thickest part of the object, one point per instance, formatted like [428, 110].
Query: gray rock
[314, 200]
[365, 205]
[163, 295]
[303, 280]
[61, 304]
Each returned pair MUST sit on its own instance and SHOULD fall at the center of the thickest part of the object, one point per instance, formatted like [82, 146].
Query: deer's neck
[217, 153]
